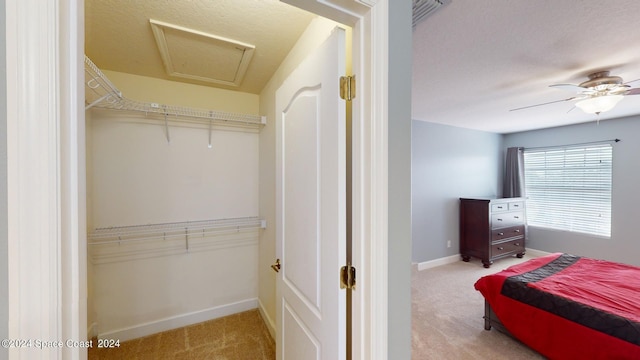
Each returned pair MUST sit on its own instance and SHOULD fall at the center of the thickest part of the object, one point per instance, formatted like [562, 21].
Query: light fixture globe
[598, 104]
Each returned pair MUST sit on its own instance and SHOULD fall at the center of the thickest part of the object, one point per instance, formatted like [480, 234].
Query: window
[569, 188]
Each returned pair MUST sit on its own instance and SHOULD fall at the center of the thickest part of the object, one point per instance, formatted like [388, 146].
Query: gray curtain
[514, 173]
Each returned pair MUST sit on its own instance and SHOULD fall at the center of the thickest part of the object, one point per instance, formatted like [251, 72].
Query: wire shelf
[101, 93]
[164, 231]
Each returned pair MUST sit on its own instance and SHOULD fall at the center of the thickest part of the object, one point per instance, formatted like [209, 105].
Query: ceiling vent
[196, 55]
[424, 8]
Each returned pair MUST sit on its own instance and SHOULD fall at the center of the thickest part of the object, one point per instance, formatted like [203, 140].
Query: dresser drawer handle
[500, 233]
[516, 217]
[517, 230]
[500, 248]
[516, 205]
[499, 207]
[516, 244]
[499, 219]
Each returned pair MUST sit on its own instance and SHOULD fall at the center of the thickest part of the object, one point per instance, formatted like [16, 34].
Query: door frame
[370, 306]
[45, 176]
[46, 166]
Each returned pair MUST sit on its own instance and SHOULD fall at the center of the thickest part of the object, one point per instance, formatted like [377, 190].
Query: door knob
[276, 266]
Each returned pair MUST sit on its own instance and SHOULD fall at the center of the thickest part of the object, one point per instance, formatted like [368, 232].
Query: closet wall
[135, 176]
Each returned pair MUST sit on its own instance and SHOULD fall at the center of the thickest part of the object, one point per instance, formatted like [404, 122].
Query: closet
[172, 201]
[181, 200]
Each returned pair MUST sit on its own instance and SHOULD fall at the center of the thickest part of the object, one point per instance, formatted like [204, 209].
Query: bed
[567, 307]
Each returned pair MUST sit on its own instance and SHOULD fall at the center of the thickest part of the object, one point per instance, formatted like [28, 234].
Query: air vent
[424, 8]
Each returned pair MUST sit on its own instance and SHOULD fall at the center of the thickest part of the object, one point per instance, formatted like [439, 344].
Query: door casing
[47, 287]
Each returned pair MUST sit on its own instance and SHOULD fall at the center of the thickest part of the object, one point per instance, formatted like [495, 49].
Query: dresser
[492, 228]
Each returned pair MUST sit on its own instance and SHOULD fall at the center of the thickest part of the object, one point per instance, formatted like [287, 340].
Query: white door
[310, 206]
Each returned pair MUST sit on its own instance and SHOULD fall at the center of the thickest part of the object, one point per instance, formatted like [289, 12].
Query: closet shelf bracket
[210, 130]
[166, 128]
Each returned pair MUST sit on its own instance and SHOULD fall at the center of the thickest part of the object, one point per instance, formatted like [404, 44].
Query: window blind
[569, 188]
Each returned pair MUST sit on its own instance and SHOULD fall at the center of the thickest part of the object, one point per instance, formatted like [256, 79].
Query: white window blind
[569, 188]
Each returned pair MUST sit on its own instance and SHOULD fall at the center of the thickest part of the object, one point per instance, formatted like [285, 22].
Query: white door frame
[45, 176]
[46, 183]
[369, 20]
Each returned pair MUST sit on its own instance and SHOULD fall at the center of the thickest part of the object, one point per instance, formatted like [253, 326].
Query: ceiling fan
[598, 94]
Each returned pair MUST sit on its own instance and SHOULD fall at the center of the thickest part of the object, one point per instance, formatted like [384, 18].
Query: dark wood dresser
[492, 228]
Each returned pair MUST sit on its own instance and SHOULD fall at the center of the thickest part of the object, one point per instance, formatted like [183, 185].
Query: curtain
[514, 173]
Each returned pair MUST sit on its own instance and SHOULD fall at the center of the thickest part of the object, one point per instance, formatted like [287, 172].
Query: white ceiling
[474, 60]
[119, 37]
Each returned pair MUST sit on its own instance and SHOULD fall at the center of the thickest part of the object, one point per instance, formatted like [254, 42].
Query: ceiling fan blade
[547, 103]
[569, 87]
[634, 91]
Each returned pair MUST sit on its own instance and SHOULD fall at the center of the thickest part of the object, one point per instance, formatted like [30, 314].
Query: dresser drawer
[513, 246]
[516, 205]
[505, 233]
[507, 219]
[499, 207]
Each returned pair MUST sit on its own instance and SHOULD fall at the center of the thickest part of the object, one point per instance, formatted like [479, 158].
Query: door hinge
[348, 277]
[348, 87]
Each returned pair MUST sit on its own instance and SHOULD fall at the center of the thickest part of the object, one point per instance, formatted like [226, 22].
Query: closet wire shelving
[165, 231]
[101, 93]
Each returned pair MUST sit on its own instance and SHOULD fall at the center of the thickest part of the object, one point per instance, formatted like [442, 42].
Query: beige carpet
[447, 315]
[242, 336]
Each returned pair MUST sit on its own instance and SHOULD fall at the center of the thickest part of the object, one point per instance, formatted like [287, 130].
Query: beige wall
[316, 33]
[160, 91]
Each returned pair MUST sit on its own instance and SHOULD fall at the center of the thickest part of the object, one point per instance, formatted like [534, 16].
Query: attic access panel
[196, 55]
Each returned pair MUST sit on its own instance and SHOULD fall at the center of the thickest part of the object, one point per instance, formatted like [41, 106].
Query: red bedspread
[569, 307]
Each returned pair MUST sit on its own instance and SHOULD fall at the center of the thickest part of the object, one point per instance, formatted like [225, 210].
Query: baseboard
[92, 330]
[438, 262]
[536, 253]
[453, 258]
[174, 322]
[271, 326]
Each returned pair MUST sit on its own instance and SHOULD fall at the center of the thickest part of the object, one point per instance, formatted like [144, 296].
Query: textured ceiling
[118, 34]
[474, 60]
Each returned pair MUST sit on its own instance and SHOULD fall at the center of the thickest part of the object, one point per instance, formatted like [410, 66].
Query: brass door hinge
[348, 87]
[348, 277]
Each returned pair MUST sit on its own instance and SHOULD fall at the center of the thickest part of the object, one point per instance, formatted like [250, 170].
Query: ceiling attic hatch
[195, 55]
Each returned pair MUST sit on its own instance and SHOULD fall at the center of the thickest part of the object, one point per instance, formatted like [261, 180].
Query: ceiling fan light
[598, 104]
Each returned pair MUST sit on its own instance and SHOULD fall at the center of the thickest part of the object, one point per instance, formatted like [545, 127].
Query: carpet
[447, 315]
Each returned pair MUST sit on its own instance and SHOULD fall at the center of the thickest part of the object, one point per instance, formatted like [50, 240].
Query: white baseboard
[536, 253]
[267, 320]
[174, 322]
[453, 258]
[438, 262]
[92, 330]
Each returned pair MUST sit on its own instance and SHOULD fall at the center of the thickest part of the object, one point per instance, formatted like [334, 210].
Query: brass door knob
[276, 266]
